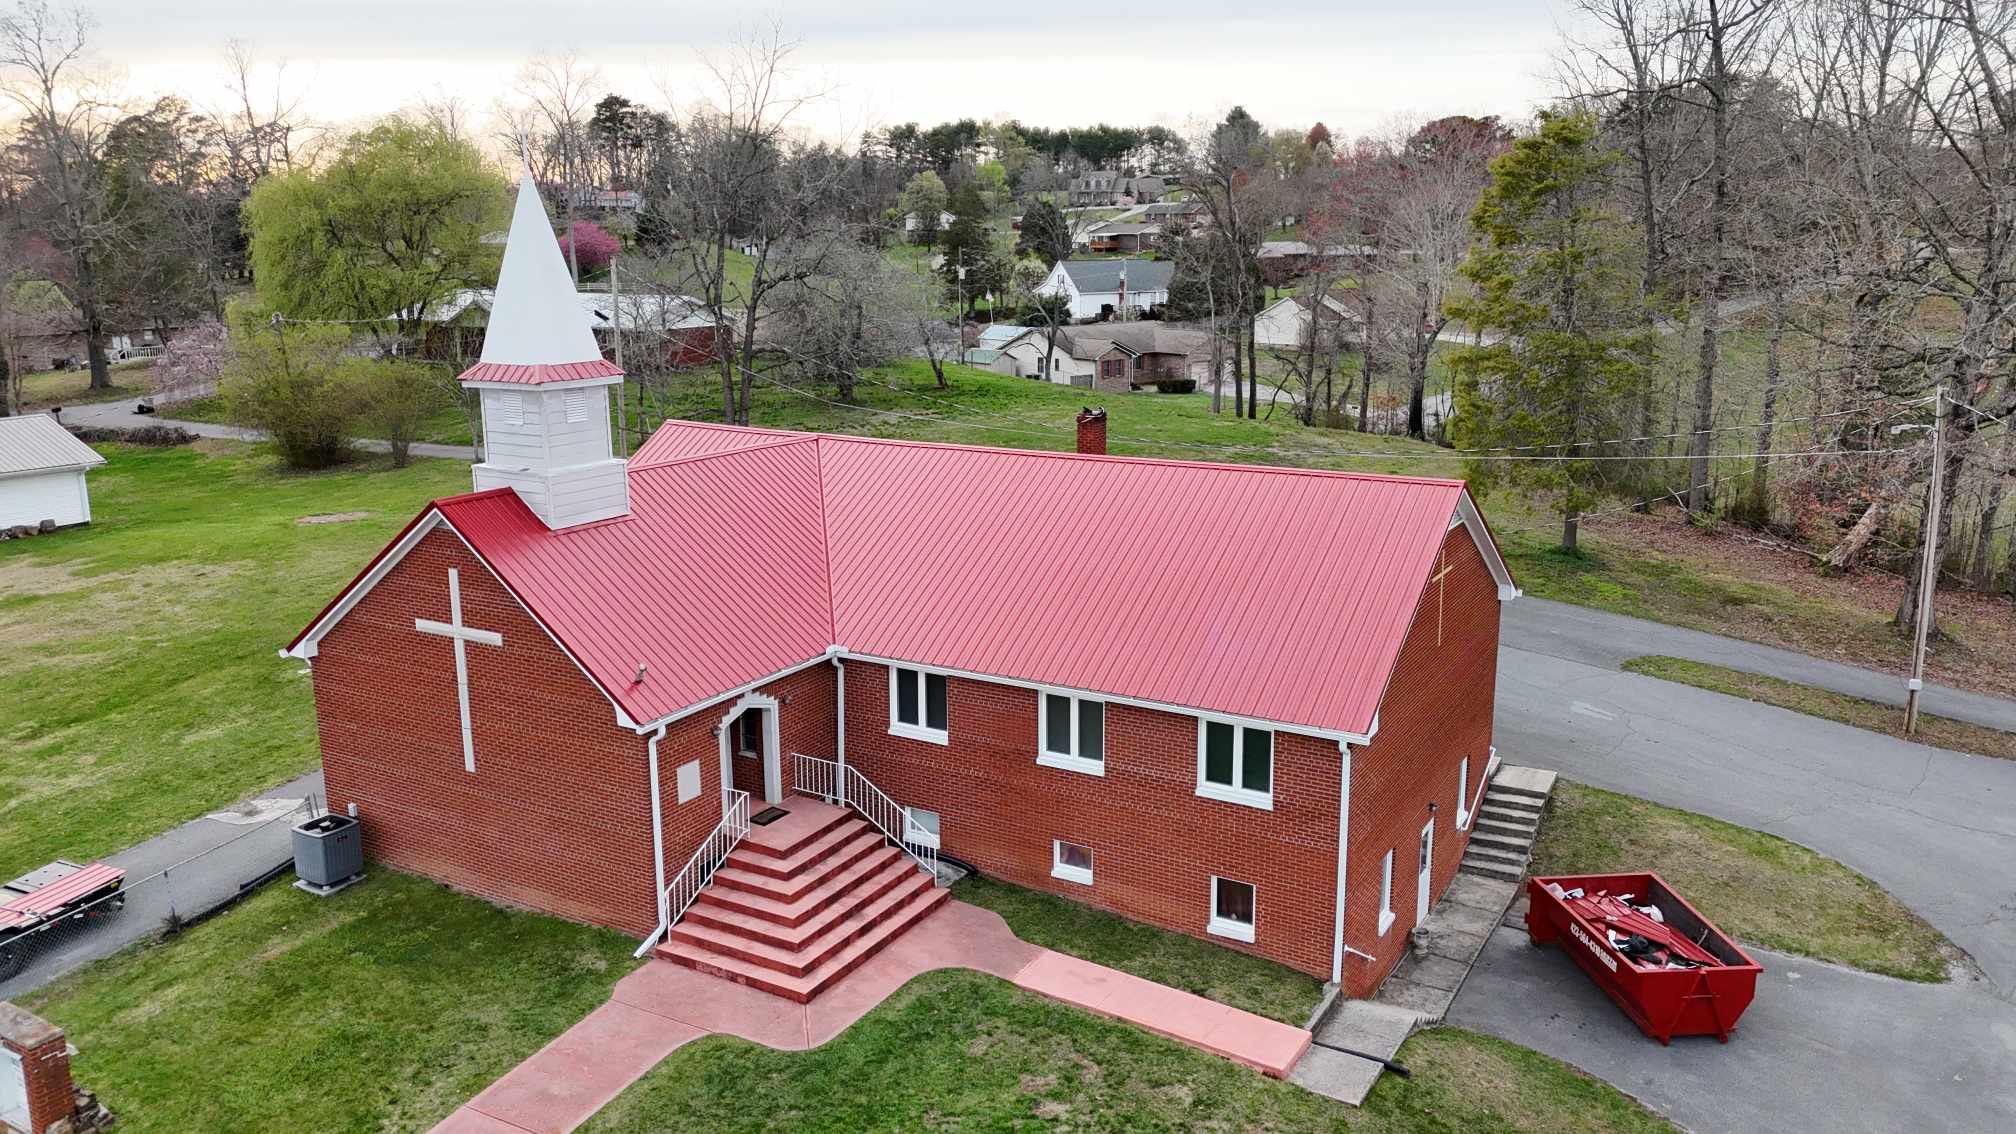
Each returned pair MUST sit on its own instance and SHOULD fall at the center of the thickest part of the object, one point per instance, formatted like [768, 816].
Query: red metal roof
[519, 375]
[1275, 593]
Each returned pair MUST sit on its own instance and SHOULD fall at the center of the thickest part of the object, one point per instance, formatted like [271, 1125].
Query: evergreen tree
[1558, 307]
[969, 241]
[1045, 235]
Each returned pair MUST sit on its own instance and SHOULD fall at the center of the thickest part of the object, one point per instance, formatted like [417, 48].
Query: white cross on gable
[461, 635]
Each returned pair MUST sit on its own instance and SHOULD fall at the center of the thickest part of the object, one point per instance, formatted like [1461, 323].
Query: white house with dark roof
[42, 471]
[1099, 288]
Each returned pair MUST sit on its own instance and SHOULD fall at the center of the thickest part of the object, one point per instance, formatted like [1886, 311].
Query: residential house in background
[528, 695]
[1285, 323]
[983, 348]
[42, 471]
[1281, 261]
[671, 330]
[613, 200]
[1123, 236]
[1115, 357]
[1102, 289]
[911, 221]
[1107, 187]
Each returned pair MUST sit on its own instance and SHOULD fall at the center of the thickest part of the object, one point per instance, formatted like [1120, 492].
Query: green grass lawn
[958, 1050]
[1758, 887]
[382, 1008]
[138, 654]
[1230, 977]
[1940, 732]
[73, 387]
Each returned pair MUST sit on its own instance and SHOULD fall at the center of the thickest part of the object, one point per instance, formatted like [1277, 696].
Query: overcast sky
[1352, 64]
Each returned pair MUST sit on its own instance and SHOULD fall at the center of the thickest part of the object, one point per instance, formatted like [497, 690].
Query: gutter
[657, 846]
[1337, 947]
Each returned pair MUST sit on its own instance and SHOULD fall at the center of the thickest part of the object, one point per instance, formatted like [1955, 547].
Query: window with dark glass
[918, 701]
[1237, 758]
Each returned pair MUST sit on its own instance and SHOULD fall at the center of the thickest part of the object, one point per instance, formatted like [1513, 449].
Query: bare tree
[558, 93]
[60, 151]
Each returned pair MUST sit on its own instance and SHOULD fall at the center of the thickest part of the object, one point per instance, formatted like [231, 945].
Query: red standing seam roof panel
[57, 894]
[1274, 593]
[539, 375]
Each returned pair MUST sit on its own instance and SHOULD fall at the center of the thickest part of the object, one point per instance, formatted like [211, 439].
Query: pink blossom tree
[191, 363]
[594, 246]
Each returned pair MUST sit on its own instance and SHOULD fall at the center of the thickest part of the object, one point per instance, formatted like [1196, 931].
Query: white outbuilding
[42, 471]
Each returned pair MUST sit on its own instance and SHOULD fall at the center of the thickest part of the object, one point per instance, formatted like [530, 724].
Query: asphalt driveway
[1821, 1048]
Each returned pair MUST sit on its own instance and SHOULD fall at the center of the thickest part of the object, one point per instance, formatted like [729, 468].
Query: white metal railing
[848, 787]
[686, 885]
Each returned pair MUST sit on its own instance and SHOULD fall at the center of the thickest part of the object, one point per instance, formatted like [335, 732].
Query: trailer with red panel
[41, 898]
[1672, 972]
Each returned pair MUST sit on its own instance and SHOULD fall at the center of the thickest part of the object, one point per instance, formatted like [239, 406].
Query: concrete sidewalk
[662, 1007]
[120, 415]
[1597, 637]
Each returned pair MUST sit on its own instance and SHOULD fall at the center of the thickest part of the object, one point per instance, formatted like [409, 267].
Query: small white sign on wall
[689, 780]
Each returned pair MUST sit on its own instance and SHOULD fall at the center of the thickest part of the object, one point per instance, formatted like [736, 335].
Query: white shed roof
[37, 442]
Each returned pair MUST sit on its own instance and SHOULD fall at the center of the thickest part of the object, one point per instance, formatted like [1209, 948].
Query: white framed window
[917, 704]
[1235, 763]
[1463, 793]
[577, 405]
[1071, 733]
[1234, 908]
[1386, 894]
[1071, 862]
[920, 827]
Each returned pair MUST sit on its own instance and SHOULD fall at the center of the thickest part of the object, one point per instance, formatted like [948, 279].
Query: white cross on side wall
[461, 635]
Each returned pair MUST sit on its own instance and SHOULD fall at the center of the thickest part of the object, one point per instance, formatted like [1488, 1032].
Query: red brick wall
[1155, 842]
[557, 815]
[45, 1064]
[1436, 711]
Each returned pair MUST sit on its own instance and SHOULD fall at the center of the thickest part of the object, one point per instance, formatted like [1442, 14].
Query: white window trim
[1225, 927]
[919, 731]
[1082, 875]
[1463, 813]
[1072, 761]
[1386, 916]
[1245, 797]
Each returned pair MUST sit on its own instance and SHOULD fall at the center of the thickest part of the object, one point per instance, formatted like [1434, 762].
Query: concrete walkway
[120, 415]
[1596, 637]
[662, 1007]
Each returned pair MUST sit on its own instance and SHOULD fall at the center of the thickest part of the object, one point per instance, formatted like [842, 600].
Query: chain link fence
[171, 897]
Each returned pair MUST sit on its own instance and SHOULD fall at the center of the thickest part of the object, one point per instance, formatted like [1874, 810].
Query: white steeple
[545, 385]
[535, 319]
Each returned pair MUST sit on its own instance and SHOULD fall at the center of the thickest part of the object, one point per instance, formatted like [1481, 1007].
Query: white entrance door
[1427, 872]
[13, 1091]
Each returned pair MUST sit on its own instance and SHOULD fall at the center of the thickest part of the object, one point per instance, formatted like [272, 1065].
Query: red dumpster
[1674, 974]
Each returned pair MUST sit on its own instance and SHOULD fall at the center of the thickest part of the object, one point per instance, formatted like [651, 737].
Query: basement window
[1233, 909]
[1235, 763]
[917, 705]
[1463, 793]
[1071, 734]
[1071, 862]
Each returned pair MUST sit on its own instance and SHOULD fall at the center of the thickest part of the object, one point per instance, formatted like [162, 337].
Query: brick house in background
[1249, 704]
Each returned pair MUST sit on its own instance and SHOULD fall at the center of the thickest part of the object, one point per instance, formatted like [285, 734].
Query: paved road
[1822, 1048]
[231, 852]
[120, 415]
[1833, 1049]
[1599, 638]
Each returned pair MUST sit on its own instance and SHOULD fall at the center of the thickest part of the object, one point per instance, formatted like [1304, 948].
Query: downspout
[1337, 947]
[840, 720]
[657, 844]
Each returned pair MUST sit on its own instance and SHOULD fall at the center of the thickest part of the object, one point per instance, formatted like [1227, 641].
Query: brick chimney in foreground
[45, 1067]
[1092, 431]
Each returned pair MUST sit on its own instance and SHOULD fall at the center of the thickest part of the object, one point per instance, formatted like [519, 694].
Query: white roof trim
[1466, 513]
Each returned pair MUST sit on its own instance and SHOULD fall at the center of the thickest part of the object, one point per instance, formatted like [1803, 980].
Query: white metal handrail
[714, 849]
[847, 786]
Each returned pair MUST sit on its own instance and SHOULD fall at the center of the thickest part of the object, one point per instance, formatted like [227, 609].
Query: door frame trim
[773, 748]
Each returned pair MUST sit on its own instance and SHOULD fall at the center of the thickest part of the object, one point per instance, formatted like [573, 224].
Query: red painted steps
[793, 918]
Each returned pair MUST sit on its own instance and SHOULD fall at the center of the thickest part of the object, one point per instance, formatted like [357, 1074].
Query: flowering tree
[191, 363]
[594, 247]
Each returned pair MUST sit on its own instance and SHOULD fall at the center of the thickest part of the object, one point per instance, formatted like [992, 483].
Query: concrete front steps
[1501, 836]
[793, 916]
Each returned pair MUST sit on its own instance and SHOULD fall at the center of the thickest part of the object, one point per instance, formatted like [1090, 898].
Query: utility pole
[1928, 572]
[616, 337]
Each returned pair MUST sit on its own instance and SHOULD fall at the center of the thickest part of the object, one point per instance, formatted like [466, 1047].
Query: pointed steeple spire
[538, 330]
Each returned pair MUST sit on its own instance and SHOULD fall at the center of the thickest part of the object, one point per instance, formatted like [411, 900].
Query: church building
[740, 693]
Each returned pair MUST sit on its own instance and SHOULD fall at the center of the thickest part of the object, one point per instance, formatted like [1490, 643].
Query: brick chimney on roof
[1092, 431]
